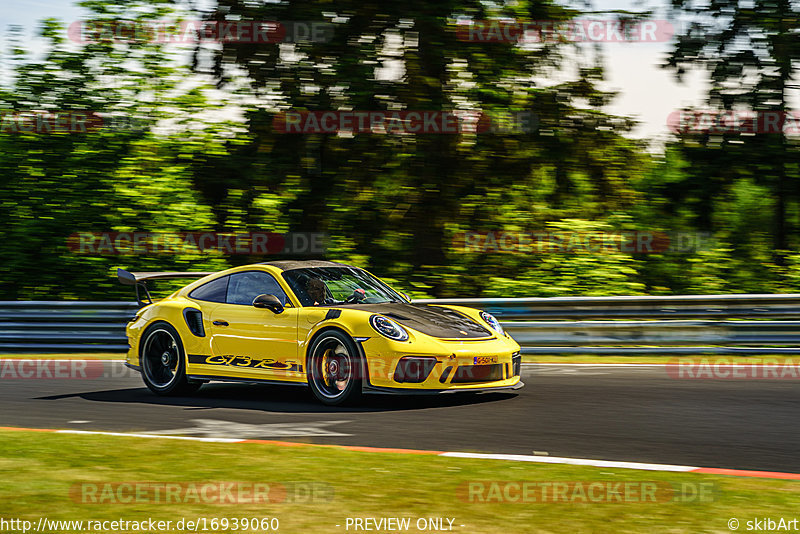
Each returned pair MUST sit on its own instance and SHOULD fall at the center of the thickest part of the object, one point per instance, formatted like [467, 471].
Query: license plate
[484, 360]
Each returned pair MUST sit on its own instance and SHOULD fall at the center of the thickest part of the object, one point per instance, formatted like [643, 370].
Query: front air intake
[467, 374]
[414, 369]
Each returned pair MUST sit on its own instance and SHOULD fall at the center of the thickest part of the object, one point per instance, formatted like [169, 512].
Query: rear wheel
[163, 362]
[335, 369]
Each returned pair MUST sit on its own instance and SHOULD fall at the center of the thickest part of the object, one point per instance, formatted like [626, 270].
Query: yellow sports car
[331, 326]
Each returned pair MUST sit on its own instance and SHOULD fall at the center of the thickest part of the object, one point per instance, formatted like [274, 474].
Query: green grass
[590, 358]
[38, 470]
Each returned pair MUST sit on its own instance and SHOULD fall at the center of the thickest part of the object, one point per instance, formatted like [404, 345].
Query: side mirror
[406, 297]
[271, 302]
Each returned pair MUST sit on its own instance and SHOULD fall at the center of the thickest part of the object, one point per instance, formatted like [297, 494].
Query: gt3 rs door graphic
[254, 342]
[249, 342]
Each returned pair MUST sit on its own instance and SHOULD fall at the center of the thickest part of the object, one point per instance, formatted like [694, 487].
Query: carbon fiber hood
[434, 321]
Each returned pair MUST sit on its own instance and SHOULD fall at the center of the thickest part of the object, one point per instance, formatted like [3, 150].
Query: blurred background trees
[745, 188]
[194, 149]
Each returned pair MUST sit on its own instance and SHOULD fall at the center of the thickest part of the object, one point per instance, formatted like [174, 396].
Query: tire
[335, 369]
[162, 360]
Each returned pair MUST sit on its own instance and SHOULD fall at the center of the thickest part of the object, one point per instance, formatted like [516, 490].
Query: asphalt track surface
[640, 414]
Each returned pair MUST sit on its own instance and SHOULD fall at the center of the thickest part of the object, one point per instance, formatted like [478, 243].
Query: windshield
[338, 285]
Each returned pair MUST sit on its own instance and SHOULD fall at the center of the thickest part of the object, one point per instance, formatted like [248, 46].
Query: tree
[748, 49]
[396, 200]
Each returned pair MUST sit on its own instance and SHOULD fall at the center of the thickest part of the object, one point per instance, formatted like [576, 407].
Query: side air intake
[194, 320]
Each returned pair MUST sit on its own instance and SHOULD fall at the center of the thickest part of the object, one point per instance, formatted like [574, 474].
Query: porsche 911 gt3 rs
[331, 326]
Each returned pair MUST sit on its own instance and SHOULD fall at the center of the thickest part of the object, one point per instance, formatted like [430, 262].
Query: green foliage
[198, 153]
[748, 50]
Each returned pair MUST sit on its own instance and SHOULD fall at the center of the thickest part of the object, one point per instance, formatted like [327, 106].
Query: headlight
[491, 321]
[388, 328]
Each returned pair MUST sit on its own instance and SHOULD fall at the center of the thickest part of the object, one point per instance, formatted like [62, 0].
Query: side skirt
[244, 380]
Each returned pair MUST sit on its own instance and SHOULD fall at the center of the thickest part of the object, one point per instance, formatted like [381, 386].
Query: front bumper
[450, 366]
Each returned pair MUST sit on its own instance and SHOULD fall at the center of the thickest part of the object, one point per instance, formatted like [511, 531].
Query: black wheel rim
[160, 358]
[331, 368]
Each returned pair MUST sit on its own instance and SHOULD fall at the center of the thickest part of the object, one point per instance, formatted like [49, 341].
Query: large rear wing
[139, 280]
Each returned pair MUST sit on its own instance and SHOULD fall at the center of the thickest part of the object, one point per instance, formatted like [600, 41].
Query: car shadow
[282, 399]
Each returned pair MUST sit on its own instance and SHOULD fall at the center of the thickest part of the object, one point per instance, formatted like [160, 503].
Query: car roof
[288, 265]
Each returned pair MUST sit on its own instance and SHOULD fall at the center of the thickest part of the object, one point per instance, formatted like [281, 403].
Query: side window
[213, 291]
[244, 287]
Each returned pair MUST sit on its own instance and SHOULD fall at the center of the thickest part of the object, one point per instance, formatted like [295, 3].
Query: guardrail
[783, 306]
[562, 326]
[68, 326]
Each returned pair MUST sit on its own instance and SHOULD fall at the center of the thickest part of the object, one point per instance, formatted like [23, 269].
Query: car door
[255, 342]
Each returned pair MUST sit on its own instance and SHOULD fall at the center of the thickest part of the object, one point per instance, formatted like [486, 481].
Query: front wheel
[163, 362]
[335, 369]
